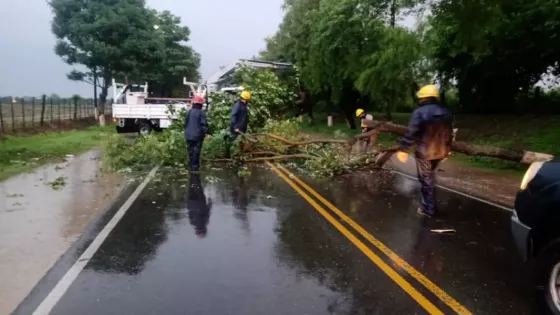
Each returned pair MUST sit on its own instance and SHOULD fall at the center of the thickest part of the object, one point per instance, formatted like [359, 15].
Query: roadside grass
[23, 154]
[526, 132]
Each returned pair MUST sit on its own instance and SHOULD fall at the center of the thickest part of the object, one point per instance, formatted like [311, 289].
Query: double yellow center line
[294, 181]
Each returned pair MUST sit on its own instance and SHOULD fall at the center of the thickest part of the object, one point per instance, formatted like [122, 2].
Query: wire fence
[34, 114]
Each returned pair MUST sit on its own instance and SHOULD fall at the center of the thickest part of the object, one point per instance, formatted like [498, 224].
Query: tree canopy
[109, 39]
[353, 53]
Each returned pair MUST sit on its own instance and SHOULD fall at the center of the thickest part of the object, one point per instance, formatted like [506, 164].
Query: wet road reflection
[199, 208]
[282, 259]
[259, 248]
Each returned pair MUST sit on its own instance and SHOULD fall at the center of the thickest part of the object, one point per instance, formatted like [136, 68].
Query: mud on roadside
[43, 213]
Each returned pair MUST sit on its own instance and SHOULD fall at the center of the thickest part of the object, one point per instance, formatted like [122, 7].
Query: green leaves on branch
[270, 97]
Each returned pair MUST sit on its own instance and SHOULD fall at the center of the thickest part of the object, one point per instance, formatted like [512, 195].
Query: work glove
[402, 156]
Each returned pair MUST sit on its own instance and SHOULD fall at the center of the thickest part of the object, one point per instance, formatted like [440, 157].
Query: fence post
[59, 121]
[23, 112]
[75, 108]
[33, 113]
[52, 109]
[1, 120]
[43, 107]
[13, 116]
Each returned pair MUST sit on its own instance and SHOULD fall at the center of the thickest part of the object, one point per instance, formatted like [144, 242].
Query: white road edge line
[62, 286]
[458, 192]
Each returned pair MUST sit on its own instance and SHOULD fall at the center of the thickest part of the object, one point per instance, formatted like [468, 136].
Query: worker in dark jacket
[196, 128]
[240, 116]
[431, 131]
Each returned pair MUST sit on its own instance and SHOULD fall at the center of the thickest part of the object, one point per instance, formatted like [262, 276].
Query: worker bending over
[361, 114]
[430, 130]
[196, 128]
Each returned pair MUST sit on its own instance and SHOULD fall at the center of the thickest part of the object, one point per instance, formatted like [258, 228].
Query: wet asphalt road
[220, 243]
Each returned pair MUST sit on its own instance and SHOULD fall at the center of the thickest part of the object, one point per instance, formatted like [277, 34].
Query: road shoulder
[43, 214]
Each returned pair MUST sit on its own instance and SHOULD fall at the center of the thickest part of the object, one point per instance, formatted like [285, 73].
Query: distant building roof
[219, 76]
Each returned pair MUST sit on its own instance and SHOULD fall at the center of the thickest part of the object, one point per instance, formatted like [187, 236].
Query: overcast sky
[222, 31]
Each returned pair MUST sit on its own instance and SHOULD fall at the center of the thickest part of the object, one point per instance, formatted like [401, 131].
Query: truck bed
[146, 111]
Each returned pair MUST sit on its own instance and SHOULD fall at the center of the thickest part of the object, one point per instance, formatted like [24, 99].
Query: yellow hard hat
[245, 95]
[359, 112]
[428, 91]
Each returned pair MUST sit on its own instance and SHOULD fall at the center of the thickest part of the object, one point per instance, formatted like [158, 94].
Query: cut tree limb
[526, 157]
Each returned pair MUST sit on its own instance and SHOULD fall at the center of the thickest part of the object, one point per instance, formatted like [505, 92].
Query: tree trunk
[101, 107]
[526, 157]
[96, 110]
[103, 97]
[349, 116]
[388, 114]
[393, 13]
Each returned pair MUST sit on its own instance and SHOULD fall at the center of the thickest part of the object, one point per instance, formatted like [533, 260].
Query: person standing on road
[240, 116]
[431, 130]
[196, 129]
[361, 114]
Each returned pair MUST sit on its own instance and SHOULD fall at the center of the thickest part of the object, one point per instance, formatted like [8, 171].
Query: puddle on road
[39, 223]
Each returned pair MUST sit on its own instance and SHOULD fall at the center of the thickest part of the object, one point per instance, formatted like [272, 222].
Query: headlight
[530, 174]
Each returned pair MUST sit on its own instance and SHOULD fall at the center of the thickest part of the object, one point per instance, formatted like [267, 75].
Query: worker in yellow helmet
[430, 130]
[239, 119]
[362, 115]
[240, 115]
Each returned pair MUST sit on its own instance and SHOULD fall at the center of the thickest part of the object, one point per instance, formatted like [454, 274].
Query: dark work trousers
[230, 139]
[194, 147]
[427, 177]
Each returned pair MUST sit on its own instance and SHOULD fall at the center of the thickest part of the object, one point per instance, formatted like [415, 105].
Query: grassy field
[23, 154]
[532, 133]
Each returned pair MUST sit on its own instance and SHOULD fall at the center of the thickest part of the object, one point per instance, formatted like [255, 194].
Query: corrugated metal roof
[250, 62]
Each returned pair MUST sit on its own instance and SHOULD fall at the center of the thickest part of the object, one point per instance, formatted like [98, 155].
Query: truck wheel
[144, 128]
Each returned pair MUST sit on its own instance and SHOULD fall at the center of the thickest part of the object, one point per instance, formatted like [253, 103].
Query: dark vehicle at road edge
[535, 226]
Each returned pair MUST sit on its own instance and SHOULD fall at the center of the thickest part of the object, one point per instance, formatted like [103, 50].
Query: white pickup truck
[134, 111]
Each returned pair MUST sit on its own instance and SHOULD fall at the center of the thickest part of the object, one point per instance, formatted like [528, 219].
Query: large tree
[179, 60]
[346, 48]
[501, 56]
[390, 74]
[117, 38]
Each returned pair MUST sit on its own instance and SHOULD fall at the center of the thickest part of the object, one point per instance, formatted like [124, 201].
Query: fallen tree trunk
[281, 157]
[526, 157]
[297, 143]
